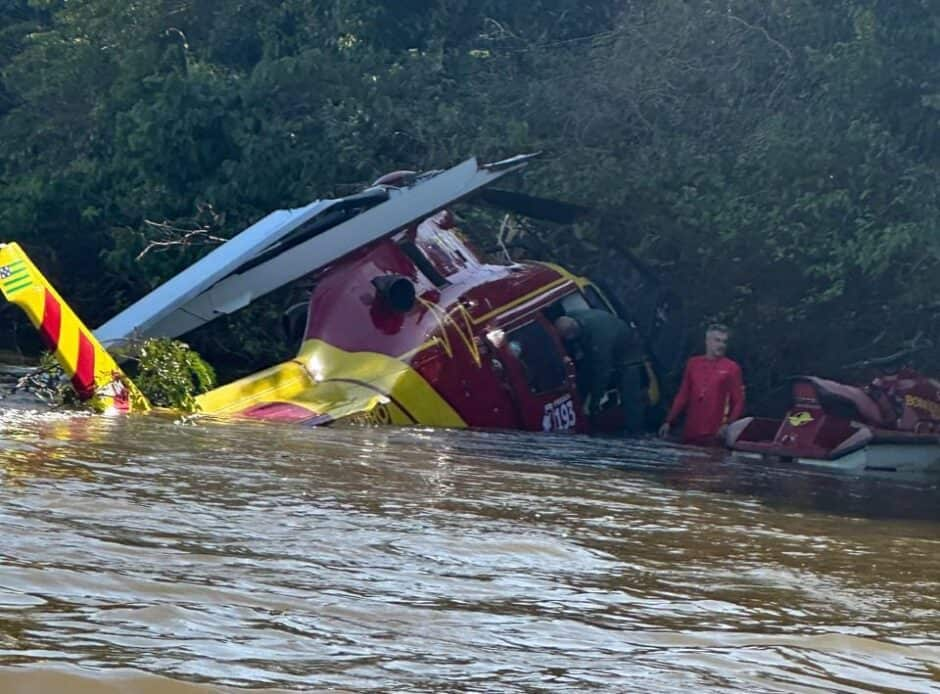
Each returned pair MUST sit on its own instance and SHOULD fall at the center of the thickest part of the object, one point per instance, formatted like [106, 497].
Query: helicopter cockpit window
[564, 306]
[594, 299]
[587, 297]
[534, 347]
[575, 302]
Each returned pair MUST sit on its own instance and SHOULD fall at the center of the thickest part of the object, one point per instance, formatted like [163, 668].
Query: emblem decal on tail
[15, 277]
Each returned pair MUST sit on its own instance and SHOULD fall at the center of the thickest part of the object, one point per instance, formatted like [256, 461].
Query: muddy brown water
[147, 555]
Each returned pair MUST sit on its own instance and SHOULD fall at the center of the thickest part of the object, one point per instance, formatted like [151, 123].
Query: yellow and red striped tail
[94, 373]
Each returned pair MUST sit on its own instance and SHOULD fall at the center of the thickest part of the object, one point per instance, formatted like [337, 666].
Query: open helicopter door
[542, 378]
[641, 296]
[288, 244]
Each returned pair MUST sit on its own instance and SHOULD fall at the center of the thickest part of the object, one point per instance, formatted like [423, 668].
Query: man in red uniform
[711, 394]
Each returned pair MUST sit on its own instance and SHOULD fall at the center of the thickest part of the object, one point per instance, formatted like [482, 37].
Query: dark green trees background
[777, 161]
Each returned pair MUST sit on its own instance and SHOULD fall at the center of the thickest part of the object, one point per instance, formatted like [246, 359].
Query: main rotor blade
[288, 244]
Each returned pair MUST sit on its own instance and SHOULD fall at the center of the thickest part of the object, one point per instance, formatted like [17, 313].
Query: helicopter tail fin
[95, 375]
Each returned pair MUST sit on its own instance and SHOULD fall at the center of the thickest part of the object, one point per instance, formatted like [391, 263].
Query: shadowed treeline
[777, 162]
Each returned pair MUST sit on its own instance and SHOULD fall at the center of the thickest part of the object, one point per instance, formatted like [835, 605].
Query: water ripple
[145, 552]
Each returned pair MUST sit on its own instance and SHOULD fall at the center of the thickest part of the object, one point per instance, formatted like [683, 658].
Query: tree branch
[177, 236]
[896, 357]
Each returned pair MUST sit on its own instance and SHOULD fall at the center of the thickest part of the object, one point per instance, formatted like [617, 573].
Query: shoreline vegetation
[776, 164]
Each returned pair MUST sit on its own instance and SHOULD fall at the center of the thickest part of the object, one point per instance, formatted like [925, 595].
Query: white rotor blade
[213, 286]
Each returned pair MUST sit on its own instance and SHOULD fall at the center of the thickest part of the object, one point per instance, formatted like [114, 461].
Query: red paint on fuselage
[443, 337]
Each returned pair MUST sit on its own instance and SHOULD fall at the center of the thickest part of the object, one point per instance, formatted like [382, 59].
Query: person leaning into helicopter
[711, 394]
[609, 363]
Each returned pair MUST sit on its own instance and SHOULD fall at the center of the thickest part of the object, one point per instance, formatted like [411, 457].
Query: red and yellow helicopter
[406, 323]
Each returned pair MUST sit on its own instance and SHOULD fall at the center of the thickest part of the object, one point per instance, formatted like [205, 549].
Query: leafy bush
[171, 374]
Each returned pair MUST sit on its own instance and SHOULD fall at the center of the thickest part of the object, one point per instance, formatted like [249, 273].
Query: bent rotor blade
[276, 251]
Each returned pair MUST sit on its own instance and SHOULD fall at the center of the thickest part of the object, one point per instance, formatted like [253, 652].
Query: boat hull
[884, 458]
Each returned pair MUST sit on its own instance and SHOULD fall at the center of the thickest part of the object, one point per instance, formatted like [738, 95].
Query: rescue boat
[890, 425]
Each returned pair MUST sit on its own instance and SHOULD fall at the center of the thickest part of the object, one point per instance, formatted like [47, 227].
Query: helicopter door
[542, 378]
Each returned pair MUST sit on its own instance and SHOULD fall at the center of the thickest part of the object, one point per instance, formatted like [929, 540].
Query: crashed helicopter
[406, 324]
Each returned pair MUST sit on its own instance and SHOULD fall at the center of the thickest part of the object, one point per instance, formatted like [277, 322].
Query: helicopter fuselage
[420, 317]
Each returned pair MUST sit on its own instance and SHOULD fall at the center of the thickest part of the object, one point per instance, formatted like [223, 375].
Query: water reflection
[784, 485]
[280, 557]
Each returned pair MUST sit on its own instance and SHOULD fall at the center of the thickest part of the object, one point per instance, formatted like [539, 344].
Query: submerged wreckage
[406, 323]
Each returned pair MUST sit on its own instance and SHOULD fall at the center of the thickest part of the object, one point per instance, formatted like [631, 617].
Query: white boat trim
[884, 457]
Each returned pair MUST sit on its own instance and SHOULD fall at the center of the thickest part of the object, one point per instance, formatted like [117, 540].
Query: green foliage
[170, 374]
[778, 162]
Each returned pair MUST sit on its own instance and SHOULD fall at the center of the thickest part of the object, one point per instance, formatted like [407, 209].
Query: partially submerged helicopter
[406, 323]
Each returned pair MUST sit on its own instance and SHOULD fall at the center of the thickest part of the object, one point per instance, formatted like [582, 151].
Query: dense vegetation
[777, 161]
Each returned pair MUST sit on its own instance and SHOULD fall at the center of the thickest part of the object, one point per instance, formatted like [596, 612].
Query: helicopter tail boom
[93, 372]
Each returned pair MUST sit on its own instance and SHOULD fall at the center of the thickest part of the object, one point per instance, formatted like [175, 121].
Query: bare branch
[915, 346]
[178, 237]
[194, 231]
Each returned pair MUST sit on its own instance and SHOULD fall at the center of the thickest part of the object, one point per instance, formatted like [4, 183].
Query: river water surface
[145, 554]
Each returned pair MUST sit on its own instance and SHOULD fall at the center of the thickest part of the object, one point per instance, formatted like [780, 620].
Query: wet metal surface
[142, 554]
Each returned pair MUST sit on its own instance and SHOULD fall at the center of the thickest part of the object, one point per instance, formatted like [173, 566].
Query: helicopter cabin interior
[539, 367]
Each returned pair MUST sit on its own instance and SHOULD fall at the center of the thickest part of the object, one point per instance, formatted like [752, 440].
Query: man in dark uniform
[609, 362]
